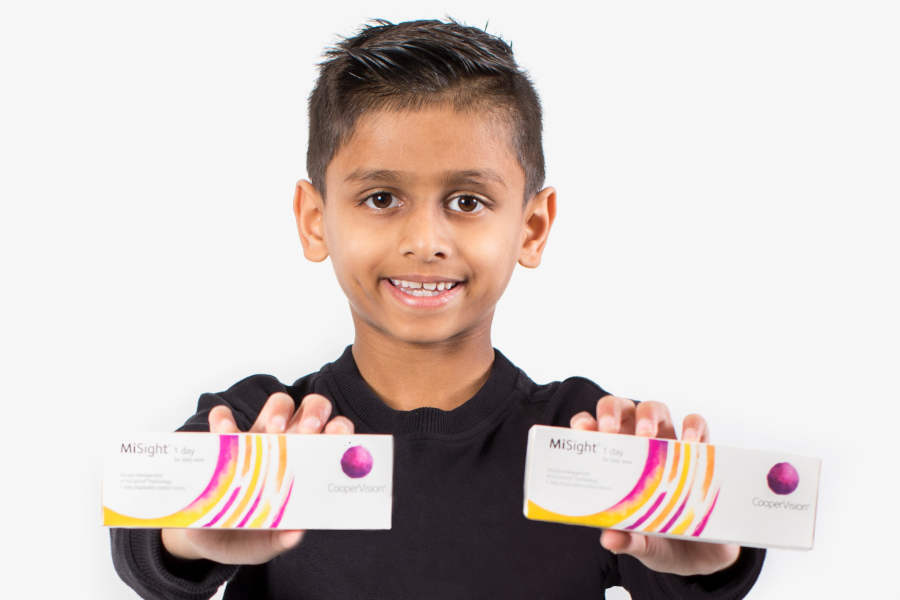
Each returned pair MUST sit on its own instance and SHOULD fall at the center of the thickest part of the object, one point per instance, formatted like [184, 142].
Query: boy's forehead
[434, 144]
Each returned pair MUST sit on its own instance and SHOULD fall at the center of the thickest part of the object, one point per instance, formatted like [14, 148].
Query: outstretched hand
[247, 547]
[668, 555]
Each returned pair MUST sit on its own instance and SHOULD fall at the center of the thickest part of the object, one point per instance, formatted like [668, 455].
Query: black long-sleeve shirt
[457, 524]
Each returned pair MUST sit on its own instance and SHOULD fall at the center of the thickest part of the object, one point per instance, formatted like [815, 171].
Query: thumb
[621, 542]
[288, 539]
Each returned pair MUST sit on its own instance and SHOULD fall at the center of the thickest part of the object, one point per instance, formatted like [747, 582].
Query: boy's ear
[309, 212]
[539, 215]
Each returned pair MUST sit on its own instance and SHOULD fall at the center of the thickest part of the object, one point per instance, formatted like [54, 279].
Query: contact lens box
[248, 481]
[671, 488]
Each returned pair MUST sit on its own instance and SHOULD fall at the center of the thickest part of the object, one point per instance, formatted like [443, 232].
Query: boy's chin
[432, 338]
[400, 329]
[428, 339]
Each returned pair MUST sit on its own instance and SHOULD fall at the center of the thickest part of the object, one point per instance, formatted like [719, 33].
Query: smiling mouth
[423, 290]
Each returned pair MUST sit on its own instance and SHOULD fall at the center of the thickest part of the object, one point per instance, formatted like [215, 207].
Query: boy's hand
[248, 547]
[669, 555]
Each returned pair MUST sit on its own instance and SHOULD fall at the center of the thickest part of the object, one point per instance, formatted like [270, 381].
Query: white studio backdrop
[727, 179]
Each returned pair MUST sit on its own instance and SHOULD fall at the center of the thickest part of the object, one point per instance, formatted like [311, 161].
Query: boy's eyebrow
[448, 177]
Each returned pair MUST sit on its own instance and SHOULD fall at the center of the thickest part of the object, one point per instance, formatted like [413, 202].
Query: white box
[667, 487]
[248, 481]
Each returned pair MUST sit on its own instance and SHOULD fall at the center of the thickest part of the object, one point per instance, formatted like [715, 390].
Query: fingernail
[644, 427]
[310, 424]
[277, 424]
[607, 423]
[689, 435]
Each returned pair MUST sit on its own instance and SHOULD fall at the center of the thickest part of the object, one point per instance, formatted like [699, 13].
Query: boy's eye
[380, 200]
[385, 200]
[469, 204]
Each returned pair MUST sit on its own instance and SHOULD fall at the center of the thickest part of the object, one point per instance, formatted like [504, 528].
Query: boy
[426, 174]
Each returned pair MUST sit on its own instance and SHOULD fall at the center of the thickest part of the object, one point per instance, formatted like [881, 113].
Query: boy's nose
[425, 234]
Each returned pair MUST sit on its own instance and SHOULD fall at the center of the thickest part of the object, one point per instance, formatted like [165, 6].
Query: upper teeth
[440, 285]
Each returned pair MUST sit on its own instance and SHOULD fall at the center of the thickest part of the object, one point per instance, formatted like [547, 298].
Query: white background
[726, 239]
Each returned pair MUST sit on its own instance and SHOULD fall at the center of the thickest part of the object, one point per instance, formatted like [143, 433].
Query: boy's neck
[407, 376]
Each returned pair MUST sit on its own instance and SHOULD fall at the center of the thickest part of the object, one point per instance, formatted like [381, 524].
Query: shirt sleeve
[139, 557]
[144, 565]
[731, 583]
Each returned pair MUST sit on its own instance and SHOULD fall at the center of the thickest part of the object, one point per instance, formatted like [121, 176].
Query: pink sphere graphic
[783, 478]
[356, 462]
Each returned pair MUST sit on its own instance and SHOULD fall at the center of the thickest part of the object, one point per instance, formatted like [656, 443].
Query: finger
[615, 415]
[653, 420]
[583, 421]
[695, 429]
[275, 413]
[311, 416]
[221, 420]
[339, 425]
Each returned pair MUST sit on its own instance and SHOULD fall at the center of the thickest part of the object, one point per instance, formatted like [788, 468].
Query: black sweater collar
[493, 395]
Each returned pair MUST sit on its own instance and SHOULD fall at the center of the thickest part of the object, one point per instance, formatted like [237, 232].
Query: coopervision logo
[356, 488]
[779, 504]
[356, 462]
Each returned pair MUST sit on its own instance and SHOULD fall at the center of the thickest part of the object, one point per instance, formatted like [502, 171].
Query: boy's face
[433, 195]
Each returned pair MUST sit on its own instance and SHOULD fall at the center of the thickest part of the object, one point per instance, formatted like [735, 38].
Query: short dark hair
[414, 64]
